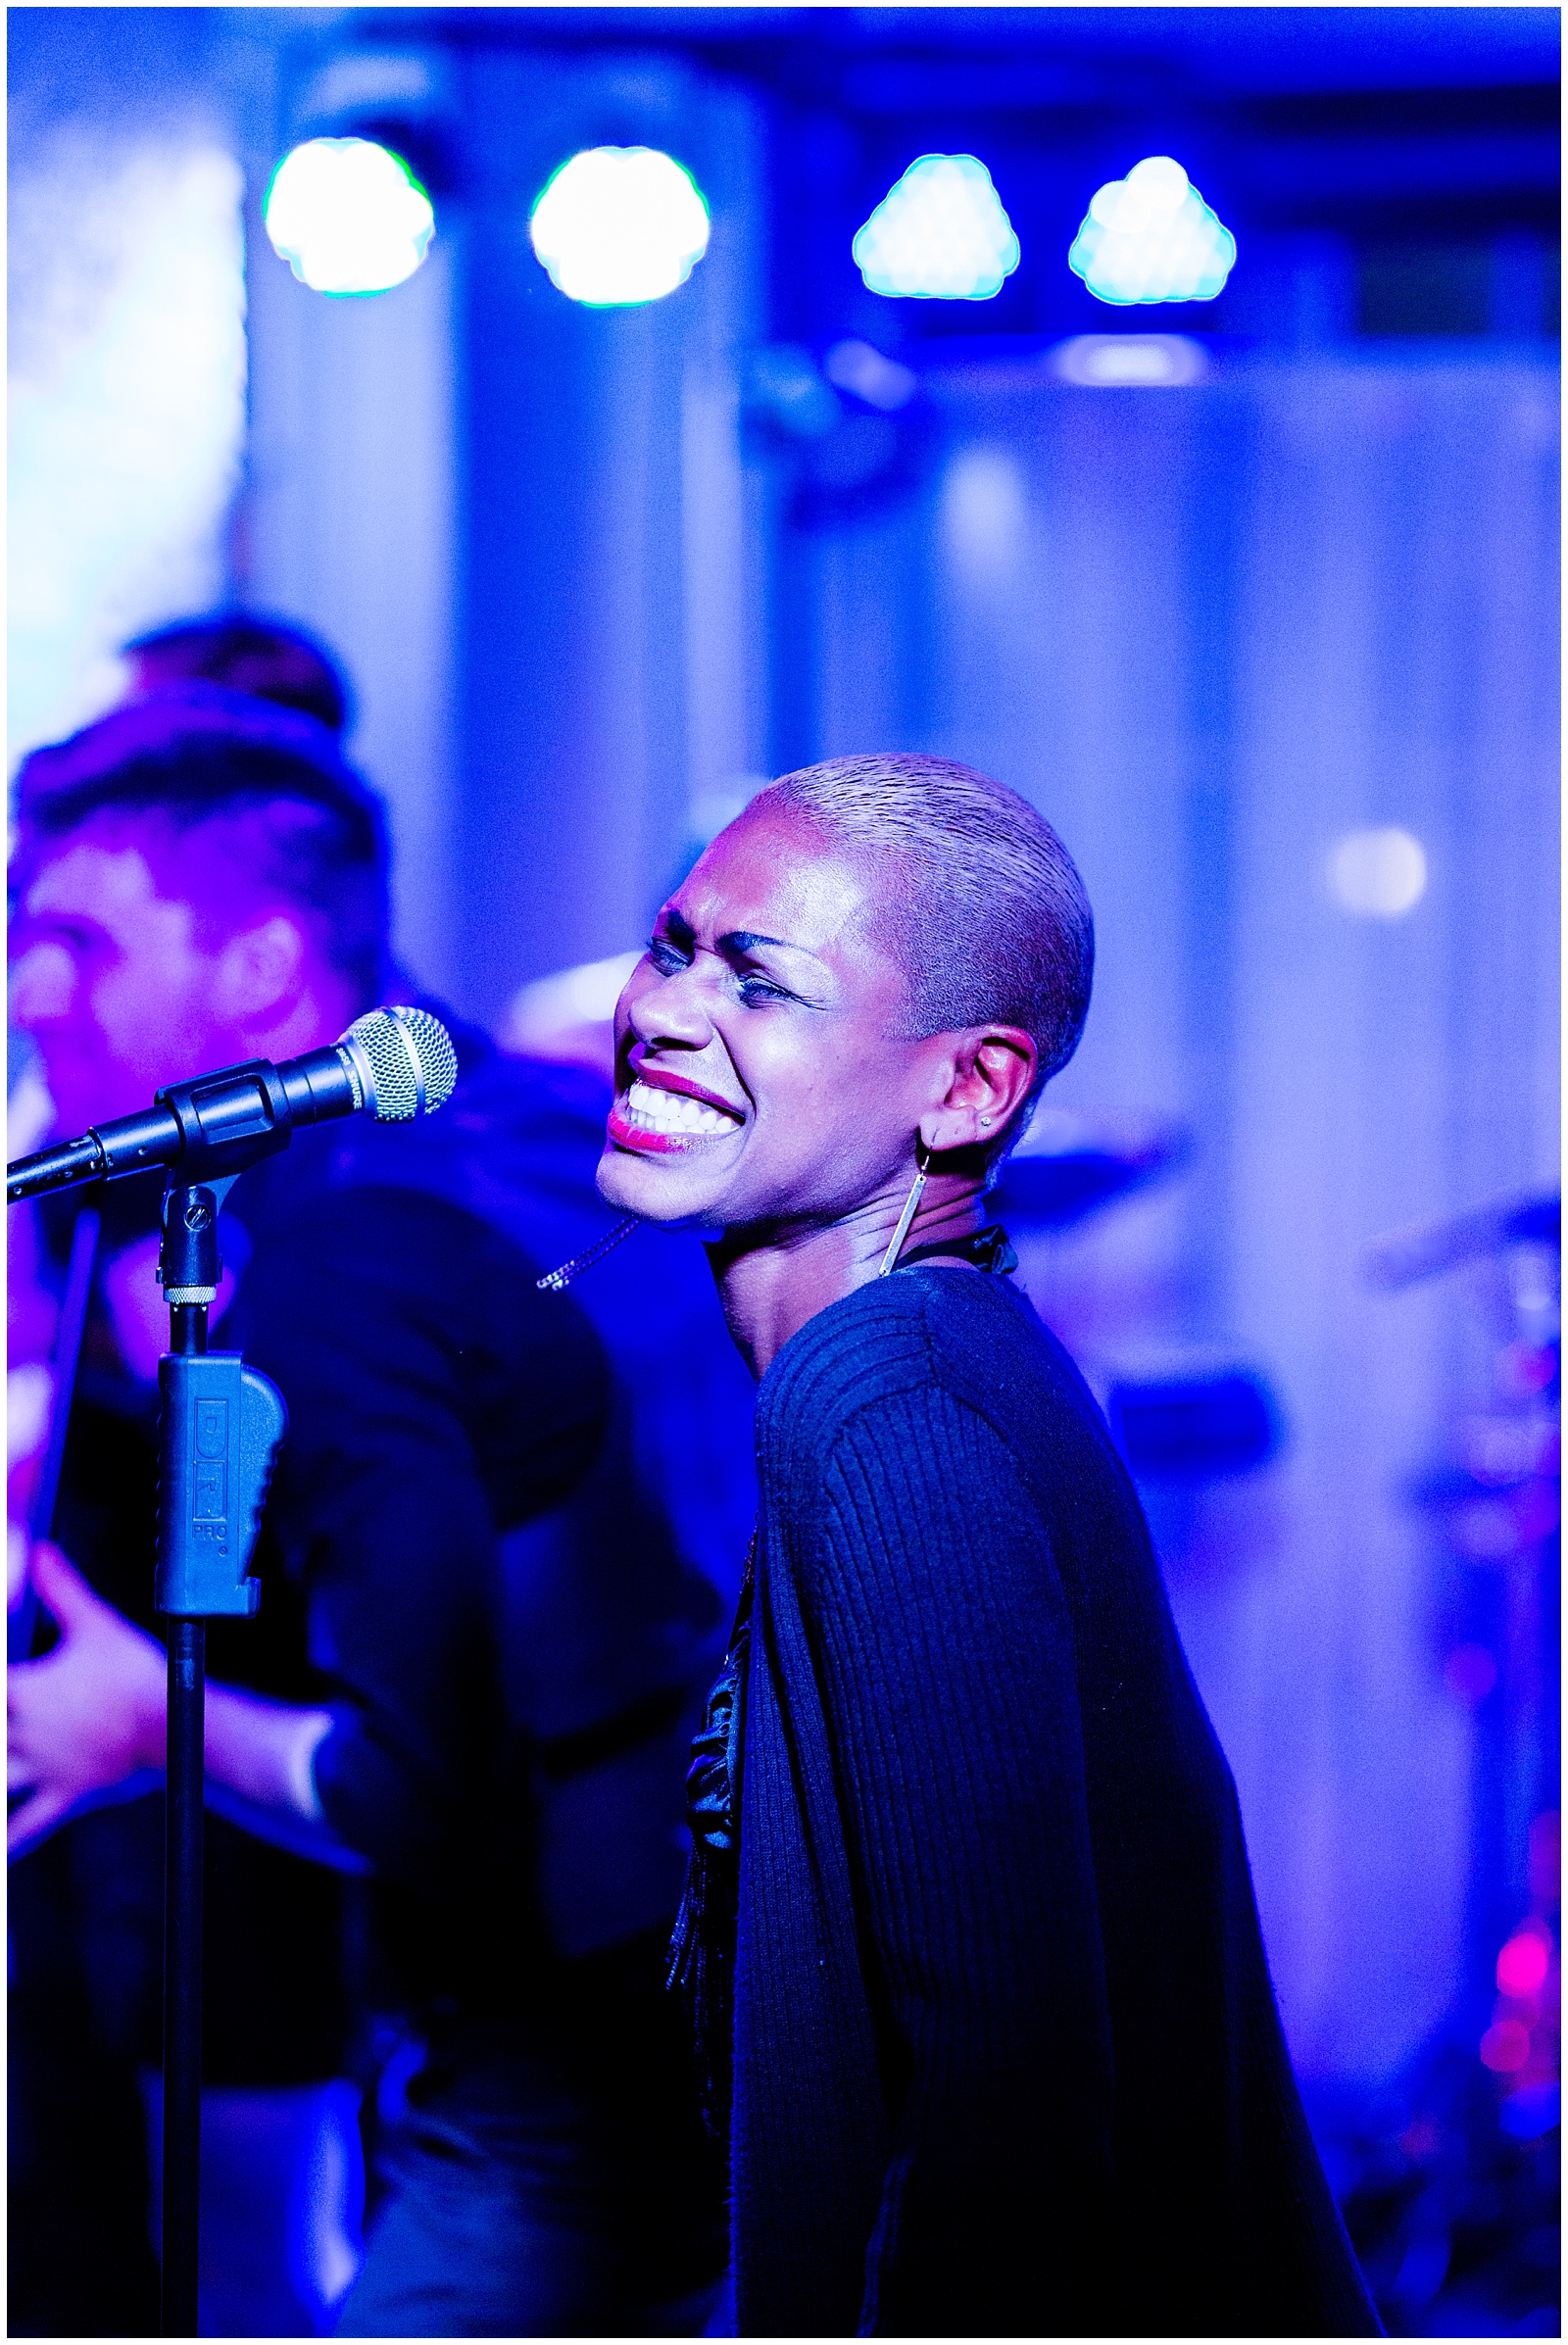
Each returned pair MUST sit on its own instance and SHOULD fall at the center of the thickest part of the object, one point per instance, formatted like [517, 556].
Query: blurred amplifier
[1198, 1427]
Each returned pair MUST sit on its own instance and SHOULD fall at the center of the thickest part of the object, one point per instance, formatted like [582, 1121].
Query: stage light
[619, 225]
[347, 215]
[1126, 361]
[941, 234]
[1152, 237]
[1379, 876]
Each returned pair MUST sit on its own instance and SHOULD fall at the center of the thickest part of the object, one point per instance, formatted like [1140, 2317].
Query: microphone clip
[189, 1265]
[229, 1121]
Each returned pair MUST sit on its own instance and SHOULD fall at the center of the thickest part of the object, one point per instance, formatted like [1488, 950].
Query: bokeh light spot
[1152, 237]
[347, 215]
[619, 225]
[1523, 1963]
[941, 234]
[1506, 2047]
[1378, 874]
[881, 382]
[984, 513]
[1121, 362]
[1534, 2110]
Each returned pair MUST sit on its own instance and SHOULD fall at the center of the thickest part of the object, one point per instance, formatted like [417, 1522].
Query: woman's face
[759, 1076]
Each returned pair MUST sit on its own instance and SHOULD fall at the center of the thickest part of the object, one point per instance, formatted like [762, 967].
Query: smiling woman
[969, 1935]
[879, 964]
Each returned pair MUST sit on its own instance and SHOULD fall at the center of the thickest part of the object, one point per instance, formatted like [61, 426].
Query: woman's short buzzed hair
[989, 919]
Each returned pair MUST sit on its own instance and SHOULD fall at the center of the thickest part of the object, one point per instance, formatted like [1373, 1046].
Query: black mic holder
[224, 1426]
[211, 1126]
[392, 1063]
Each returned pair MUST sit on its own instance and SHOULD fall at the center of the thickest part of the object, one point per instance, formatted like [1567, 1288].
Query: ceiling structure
[1413, 139]
[1400, 165]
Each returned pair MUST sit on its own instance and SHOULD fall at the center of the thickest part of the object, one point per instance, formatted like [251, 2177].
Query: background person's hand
[86, 1716]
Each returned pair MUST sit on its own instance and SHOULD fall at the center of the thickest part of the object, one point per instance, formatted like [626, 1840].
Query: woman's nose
[672, 1010]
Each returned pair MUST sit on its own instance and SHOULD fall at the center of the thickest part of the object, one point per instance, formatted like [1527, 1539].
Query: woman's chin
[659, 1188]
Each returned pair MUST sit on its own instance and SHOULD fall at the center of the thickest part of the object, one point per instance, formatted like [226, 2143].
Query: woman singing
[969, 1928]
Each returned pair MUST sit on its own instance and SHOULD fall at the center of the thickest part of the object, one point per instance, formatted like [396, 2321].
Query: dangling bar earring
[556, 1282]
[910, 1204]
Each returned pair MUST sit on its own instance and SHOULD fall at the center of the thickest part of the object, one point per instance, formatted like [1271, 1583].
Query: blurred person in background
[461, 1714]
[245, 652]
[240, 651]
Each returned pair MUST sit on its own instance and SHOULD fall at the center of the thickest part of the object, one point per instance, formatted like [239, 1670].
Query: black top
[499, 1615]
[1006, 2059]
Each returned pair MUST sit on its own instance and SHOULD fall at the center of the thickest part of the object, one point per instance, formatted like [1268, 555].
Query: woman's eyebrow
[747, 940]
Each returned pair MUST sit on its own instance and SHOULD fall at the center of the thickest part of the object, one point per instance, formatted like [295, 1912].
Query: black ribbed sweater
[1007, 2055]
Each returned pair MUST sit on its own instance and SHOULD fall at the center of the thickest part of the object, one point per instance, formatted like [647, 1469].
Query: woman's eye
[754, 990]
[664, 956]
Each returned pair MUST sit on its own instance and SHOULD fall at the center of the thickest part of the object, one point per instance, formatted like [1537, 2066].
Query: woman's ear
[993, 1072]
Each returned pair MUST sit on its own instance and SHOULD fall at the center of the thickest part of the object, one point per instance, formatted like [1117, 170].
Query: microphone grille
[411, 1060]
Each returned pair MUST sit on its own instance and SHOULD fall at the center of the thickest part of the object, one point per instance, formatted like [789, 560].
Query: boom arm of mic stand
[55, 1168]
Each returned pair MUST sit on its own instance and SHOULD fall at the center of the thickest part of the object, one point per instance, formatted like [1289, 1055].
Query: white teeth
[659, 1110]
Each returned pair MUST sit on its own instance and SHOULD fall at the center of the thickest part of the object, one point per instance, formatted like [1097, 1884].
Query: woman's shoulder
[970, 1334]
[871, 1343]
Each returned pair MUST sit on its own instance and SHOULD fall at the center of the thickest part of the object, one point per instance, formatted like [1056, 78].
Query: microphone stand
[221, 1427]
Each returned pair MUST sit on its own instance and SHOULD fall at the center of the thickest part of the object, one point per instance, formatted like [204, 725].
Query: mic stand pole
[183, 1841]
[221, 1427]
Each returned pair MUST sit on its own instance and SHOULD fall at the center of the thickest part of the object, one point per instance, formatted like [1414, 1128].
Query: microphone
[392, 1064]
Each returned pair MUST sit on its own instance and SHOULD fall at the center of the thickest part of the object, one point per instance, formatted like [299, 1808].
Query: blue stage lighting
[1123, 362]
[1152, 237]
[347, 215]
[941, 234]
[620, 224]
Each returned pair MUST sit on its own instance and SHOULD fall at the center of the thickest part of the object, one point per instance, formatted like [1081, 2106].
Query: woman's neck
[770, 1284]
